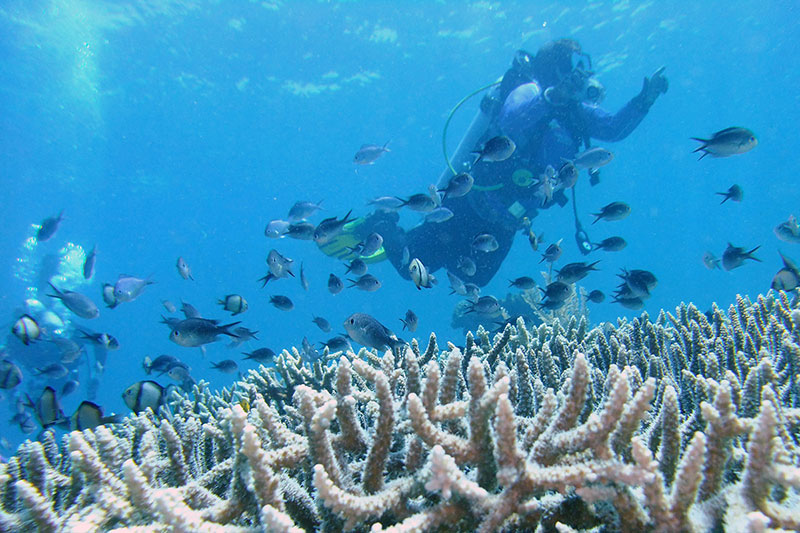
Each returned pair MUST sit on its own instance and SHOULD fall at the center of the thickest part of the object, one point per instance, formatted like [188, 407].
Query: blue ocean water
[180, 128]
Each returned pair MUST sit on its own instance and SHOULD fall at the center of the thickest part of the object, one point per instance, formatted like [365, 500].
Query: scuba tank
[520, 72]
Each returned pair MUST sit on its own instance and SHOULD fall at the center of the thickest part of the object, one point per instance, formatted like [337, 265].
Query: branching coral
[686, 423]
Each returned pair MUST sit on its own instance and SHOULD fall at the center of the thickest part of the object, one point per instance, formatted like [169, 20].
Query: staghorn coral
[686, 423]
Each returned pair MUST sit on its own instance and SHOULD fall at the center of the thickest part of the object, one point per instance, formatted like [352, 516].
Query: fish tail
[725, 195]
[58, 293]
[700, 140]
[223, 330]
[405, 324]
[705, 153]
[751, 256]
[599, 217]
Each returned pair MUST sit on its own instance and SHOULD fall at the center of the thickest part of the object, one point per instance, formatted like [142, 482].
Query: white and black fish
[76, 302]
[89, 415]
[367, 283]
[53, 371]
[279, 301]
[420, 275]
[279, 267]
[557, 291]
[788, 231]
[144, 394]
[574, 272]
[369, 153]
[10, 375]
[49, 227]
[710, 261]
[439, 215]
[69, 387]
[366, 330]
[611, 244]
[552, 253]
[68, 349]
[301, 231]
[421, 203]
[495, 149]
[234, 303]
[523, 282]
[486, 305]
[276, 229]
[189, 311]
[160, 364]
[387, 203]
[26, 329]
[567, 175]
[102, 340]
[227, 366]
[128, 288]
[370, 245]
[195, 332]
[330, 228]
[47, 408]
[261, 355]
[337, 344]
[457, 285]
[356, 267]
[734, 193]
[335, 285]
[596, 296]
[108, 296]
[788, 277]
[88, 263]
[727, 142]
[636, 283]
[593, 158]
[485, 242]
[735, 256]
[322, 324]
[458, 186]
[613, 211]
[410, 321]
[183, 269]
[302, 210]
[466, 265]
[303, 278]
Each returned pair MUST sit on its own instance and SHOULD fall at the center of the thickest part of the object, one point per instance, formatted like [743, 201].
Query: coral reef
[683, 423]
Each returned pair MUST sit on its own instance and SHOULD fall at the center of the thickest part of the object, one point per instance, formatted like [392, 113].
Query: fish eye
[352, 321]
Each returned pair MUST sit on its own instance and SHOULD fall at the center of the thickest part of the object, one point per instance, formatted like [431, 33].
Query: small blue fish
[128, 288]
[369, 153]
[88, 264]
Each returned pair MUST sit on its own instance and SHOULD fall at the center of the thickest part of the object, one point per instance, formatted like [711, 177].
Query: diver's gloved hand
[652, 87]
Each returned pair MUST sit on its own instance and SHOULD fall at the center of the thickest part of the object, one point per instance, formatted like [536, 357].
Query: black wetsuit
[544, 135]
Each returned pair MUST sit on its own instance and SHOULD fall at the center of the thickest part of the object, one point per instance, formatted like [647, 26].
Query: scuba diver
[548, 105]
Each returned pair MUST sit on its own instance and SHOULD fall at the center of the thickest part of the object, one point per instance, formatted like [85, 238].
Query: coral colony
[686, 423]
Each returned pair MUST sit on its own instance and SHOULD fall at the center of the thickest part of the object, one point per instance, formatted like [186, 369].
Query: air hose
[450, 116]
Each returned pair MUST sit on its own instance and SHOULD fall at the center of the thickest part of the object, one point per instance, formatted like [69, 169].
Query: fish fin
[385, 145]
[58, 292]
[224, 329]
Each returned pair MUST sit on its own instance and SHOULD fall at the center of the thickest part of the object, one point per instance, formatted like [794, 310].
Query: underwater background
[166, 129]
